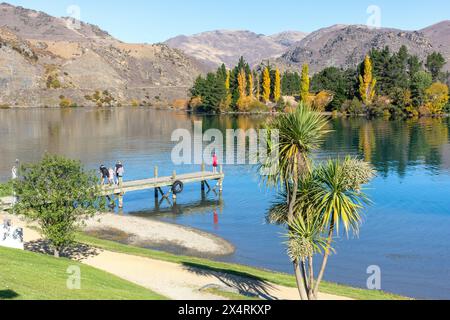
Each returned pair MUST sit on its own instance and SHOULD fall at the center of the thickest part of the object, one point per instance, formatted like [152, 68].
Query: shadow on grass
[245, 284]
[76, 252]
[8, 295]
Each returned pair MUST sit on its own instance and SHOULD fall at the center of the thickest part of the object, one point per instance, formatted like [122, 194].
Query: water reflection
[405, 232]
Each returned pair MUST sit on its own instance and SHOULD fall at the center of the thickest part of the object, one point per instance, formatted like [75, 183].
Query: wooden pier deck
[154, 183]
[158, 183]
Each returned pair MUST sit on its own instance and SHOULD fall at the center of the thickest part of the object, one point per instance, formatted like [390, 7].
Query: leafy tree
[328, 199]
[277, 86]
[251, 85]
[290, 82]
[300, 133]
[337, 81]
[304, 84]
[419, 83]
[58, 194]
[367, 83]
[266, 85]
[435, 63]
[436, 97]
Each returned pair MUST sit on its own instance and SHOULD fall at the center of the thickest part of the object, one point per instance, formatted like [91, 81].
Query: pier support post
[174, 178]
[221, 180]
[120, 200]
[155, 174]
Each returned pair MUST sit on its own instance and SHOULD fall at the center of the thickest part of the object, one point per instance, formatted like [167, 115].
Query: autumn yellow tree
[367, 83]
[304, 84]
[266, 85]
[227, 81]
[436, 97]
[277, 86]
[242, 84]
[244, 100]
[250, 85]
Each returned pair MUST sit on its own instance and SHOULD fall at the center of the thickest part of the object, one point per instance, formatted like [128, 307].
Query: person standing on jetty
[104, 174]
[119, 172]
[215, 162]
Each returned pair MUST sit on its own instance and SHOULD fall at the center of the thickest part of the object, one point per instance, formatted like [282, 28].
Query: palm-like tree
[339, 200]
[326, 199]
[300, 133]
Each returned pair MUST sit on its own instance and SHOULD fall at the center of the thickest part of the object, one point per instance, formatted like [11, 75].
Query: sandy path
[181, 282]
[175, 281]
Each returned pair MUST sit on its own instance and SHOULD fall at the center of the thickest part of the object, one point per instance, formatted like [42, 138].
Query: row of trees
[388, 83]
[244, 89]
[385, 83]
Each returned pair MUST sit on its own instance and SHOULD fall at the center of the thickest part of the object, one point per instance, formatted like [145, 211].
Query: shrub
[353, 107]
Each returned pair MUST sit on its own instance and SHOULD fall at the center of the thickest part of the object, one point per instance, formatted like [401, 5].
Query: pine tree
[367, 83]
[304, 84]
[266, 85]
[258, 86]
[277, 88]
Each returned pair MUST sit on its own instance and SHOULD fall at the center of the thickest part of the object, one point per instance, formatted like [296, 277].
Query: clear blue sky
[157, 20]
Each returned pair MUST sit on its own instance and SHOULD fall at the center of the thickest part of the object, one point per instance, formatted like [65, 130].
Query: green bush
[6, 189]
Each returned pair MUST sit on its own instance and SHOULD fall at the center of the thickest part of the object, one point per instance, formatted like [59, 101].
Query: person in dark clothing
[119, 172]
[104, 174]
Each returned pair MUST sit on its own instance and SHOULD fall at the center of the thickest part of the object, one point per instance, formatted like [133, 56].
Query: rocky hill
[346, 45]
[225, 46]
[43, 59]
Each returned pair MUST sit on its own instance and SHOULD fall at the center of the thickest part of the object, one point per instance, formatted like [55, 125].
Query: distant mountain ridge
[346, 45]
[226, 46]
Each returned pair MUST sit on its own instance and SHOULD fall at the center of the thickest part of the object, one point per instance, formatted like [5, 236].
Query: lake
[406, 232]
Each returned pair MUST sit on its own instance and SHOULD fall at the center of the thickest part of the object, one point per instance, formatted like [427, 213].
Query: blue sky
[157, 20]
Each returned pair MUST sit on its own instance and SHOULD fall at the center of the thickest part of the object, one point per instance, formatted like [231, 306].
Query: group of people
[112, 176]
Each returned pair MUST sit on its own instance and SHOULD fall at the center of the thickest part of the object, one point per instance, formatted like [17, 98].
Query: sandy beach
[156, 234]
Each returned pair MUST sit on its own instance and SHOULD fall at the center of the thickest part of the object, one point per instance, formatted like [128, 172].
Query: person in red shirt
[215, 162]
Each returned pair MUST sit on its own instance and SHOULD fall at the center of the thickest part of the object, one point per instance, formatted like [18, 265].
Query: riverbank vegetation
[31, 276]
[58, 194]
[389, 84]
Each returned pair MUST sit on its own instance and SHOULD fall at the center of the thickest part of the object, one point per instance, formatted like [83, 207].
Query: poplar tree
[266, 85]
[242, 84]
[277, 88]
[304, 84]
[367, 83]
[250, 85]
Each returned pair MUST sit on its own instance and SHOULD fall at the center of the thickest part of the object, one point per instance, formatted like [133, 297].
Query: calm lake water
[406, 232]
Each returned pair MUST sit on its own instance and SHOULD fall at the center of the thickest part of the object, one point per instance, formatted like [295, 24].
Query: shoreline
[151, 234]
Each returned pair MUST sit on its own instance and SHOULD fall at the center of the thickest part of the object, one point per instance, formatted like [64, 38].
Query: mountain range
[45, 59]
[225, 46]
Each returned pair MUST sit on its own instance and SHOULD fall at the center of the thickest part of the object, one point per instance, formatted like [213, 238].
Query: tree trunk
[324, 262]
[300, 281]
[305, 280]
[312, 295]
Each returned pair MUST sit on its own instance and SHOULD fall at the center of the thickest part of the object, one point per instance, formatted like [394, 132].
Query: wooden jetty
[158, 183]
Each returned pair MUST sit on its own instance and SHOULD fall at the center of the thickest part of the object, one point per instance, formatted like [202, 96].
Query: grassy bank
[30, 276]
[250, 272]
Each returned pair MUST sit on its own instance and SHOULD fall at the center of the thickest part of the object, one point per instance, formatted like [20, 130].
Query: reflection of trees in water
[392, 145]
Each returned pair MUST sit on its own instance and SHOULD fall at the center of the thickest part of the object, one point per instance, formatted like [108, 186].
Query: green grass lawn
[30, 276]
[260, 274]
[6, 189]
